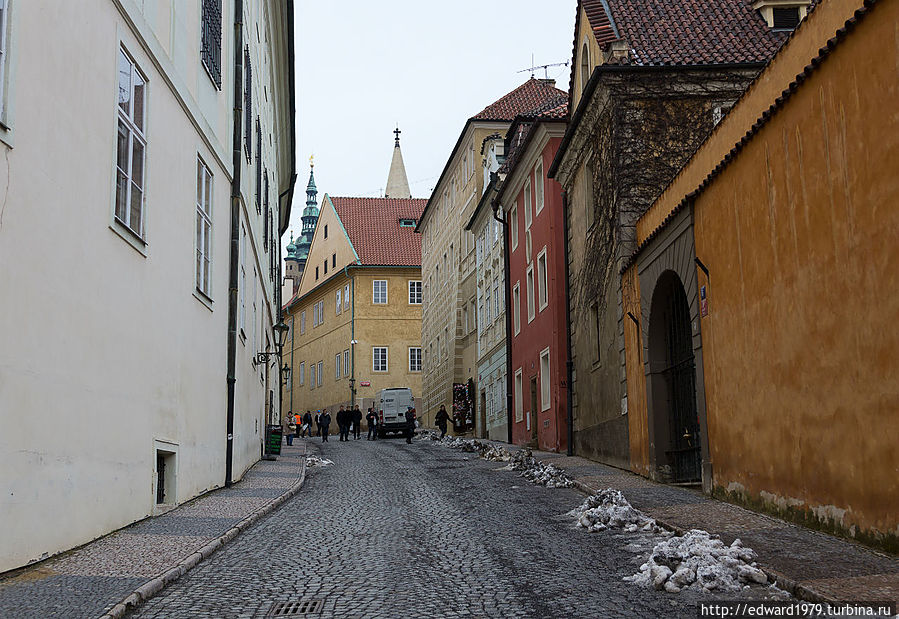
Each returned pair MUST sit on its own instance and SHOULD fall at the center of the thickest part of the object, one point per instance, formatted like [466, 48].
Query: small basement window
[166, 475]
[786, 18]
[407, 223]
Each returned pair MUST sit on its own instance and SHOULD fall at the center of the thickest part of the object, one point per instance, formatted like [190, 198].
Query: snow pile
[609, 509]
[522, 460]
[530, 468]
[547, 475]
[316, 461]
[701, 562]
[496, 454]
[427, 435]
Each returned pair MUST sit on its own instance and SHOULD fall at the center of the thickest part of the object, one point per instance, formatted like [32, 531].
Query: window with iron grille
[248, 104]
[258, 166]
[211, 48]
[267, 222]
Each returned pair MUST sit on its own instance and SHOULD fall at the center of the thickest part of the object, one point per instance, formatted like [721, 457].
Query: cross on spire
[397, 133]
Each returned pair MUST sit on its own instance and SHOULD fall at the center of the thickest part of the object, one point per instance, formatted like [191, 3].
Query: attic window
[786, 18]
[407, 223]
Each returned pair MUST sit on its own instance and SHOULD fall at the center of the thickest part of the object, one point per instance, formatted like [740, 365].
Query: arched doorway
[674, 417]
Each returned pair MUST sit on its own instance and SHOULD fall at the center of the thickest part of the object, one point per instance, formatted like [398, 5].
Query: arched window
[585, 66]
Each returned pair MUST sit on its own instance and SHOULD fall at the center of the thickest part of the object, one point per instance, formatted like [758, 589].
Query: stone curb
[172, 574]
[783, 582]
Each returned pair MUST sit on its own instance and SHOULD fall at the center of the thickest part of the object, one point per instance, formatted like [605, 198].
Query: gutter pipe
[507, 293]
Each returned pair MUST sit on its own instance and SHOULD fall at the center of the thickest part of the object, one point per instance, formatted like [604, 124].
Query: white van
[392, 405]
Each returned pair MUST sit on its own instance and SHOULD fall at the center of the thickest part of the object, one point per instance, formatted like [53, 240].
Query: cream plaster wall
[135, 356]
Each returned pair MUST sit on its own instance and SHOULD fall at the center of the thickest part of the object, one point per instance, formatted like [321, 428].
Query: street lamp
[285, 375]
[280, 330]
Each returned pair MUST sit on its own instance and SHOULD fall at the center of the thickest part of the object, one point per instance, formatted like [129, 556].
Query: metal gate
[680, 378]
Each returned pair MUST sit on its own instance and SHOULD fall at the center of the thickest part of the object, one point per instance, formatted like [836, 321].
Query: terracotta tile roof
[521, 130]
[531, 96]
[373, 225]
[683, 32]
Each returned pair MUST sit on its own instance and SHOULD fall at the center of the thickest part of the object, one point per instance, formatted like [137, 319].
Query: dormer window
[407, 223]
[782, 14]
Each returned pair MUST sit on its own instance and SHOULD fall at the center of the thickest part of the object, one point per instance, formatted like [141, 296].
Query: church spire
[397, 182]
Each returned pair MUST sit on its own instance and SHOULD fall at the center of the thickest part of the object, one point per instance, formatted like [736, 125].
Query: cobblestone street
[422, 531]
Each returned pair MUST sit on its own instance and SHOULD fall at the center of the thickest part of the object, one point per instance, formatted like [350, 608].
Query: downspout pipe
[569, 364]
[346, 273]
[235, 237]
[507, 293]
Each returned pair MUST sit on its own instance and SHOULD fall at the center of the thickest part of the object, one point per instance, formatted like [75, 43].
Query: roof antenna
[545, 67]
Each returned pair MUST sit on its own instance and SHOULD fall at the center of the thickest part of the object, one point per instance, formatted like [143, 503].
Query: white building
[123, 374]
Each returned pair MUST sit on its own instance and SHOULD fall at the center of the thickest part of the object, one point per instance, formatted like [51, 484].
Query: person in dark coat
[410, 424]
[372, 420]
[441, 420]
[307, 423]
[325, 425]
[357, 423]
[343, 425]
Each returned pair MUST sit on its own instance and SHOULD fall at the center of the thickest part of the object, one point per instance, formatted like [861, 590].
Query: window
[302, 372]
[337, 364]
[211, 47]
[415, 359]
[326, 266]
[530, 292]
[303, 322]
[4, 25]
[346, 363]
[415, 292]
[204, 227]
[131, 147]
[465, 326]
[486, 306]
[320, 373]
[312, 376]
[267, 220]
[513, 226]
[545, 394]
[516, 308]
[538, 185]
[585, 67]
[243, 279]
[321, 312]
[248, 104]
[496, 299]
[316, 272]
[333, 261]
[407, 223]
[379, 292]
[528, 213]
[786, 18]
[326, 230]
[542, 295]
[337, 305]
[258, 166]
[519, 411]
[379, 359]
[346, 296]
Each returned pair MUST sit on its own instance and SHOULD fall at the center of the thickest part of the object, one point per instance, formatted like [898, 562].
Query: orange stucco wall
[801, 237]
[638, 428]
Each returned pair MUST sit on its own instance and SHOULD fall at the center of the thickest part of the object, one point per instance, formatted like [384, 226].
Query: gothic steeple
[397, 182]
[310, 216]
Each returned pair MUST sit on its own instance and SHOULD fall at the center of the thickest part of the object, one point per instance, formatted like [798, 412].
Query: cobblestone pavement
[397, 530]
[826, 567]
[89, 580]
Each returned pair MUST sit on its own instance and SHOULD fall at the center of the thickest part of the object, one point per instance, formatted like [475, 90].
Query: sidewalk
[811, 565]
[139, 559]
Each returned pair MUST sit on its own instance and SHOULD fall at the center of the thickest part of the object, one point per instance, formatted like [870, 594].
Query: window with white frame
[542, 294]
[4, 58]
[131, 146]
[337, 364]
[346, 296]
[314, 315]
[204, 227]
[519, 409]
[529, 285]
[346, 363]
[496, 298]
[538, 185]
[302, 322]
[254, 320]
[415, 359]
[337, 303]
[485, 301]
[415, 292]
[243, 280]
[379, 292]
[312, 376]
[320, 373]
[516, 308]
[321, 312]
[513, 226]
[301, 370]
[528, 213]
[379, 359]
[545, 391]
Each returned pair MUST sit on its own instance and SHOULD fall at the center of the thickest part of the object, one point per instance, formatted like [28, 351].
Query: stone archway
[673, 413]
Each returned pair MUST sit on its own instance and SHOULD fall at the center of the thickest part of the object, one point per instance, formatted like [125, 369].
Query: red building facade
[533, 209]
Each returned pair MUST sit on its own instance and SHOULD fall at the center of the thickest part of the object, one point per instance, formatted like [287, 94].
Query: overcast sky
[363, 67]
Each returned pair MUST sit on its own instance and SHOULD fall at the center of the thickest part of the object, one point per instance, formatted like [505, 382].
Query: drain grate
[296, 609]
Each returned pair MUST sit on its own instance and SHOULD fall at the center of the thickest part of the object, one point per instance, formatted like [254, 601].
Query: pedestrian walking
[296, 419]
[325, 425]
[318, 422]
[372, 420]
[357, 422]
[342, 424]
[442, 419]
[289, 427]
[410, 424]
[307, 423]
